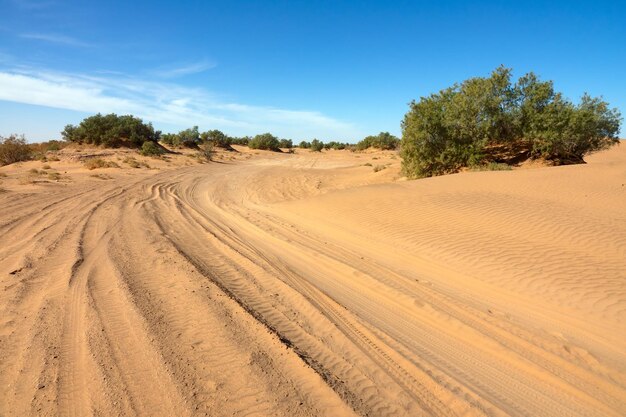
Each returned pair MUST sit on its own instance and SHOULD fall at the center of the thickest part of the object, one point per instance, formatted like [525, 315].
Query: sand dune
[308, 284]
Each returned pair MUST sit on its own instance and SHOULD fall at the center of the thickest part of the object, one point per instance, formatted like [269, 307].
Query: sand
[308, 284]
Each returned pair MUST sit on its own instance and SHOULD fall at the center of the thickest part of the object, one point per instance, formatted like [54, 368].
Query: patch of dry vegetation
[96, 163]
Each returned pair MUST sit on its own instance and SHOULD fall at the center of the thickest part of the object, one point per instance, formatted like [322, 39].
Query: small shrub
[132, 162]
[379, 168]
[53, 158]
[317, 145]
[3, 175]
[101, 176]
[217, 138]
[46, 166]
[492, 166]
[152, 149]
[54, 176]
[265, 141]
[34, 171]
[286, 143]
[14, 149]
[95, 163]
[208, 151]
[367, 164]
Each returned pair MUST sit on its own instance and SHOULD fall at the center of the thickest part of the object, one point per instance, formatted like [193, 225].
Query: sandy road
[295, 285]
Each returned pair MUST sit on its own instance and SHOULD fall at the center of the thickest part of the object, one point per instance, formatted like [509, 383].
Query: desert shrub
[34, 171]
[469, 123]
[492, 166]
[46, 166]
[384, 141]
[170, 139]
[111, 130]
[286, 143]
[334, 145]
[304, 145]
[54, 176]
[189, 138]
[379, 168]
[3, 175]
[208, 151]
[367, 164]
[134, 163]
[152, 149]
[14, 149]
[317, 145]
[95, 163]
[217, 139]
[243, 141]
[265, 141]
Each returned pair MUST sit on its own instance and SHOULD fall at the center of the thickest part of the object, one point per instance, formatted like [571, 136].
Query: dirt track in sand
[307, 284]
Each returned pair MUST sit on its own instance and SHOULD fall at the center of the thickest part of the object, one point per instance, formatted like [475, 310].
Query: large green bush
[485, 120]
[14, 149]
[111, 130]
[265, 141]
[384, 141]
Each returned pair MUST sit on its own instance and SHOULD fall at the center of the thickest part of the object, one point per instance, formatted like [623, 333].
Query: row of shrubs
[14, 148]
[493, 120]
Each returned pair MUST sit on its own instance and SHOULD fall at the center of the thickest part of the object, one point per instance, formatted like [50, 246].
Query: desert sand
[308, 284]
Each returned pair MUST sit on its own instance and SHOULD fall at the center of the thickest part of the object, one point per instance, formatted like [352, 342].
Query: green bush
[384, 141]
[304, 145]
[265, 141]
[14, 149]
[334, 145]
[286, 143]
[208, 151]
[490, 119]
[317, 145]
[152, 149]
[111, 130]
[243, 141]
[217, 138]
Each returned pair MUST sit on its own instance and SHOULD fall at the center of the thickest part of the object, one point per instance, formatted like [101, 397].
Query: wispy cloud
[185, 69]
[55, 38]
[164, 103]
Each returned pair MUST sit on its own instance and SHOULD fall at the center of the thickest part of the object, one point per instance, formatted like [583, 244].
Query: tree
[492, 120]
[317, 145]
[111, 130]
[265, 141]
[304, 145]
[383, 141]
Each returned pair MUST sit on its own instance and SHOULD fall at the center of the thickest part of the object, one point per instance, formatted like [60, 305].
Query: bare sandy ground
[305, 284]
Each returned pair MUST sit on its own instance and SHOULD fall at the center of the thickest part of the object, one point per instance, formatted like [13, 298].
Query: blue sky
[335, 70]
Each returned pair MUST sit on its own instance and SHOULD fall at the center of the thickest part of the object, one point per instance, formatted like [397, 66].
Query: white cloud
[54, 38]
[164, 103]
[193, 68]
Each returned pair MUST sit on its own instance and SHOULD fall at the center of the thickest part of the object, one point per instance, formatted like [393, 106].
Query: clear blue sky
[327, 69]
